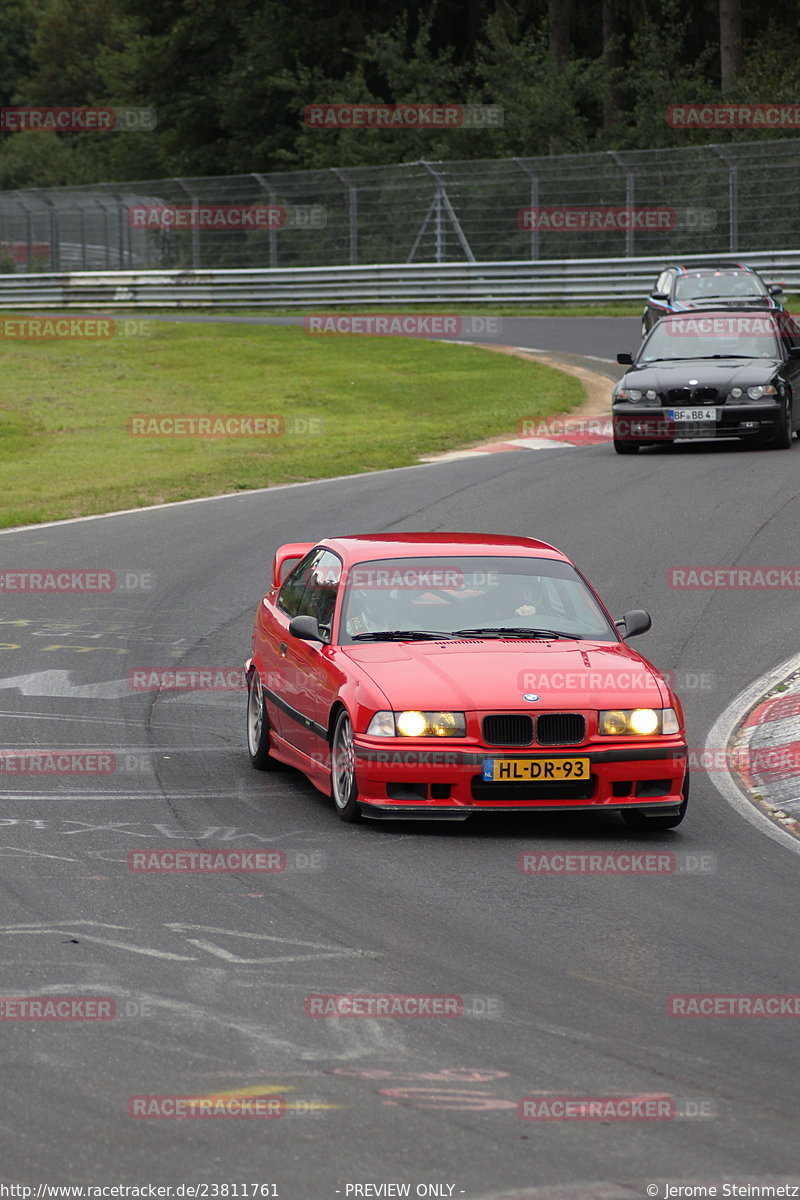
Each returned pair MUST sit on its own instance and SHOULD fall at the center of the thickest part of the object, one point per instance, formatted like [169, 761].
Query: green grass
[379, 402]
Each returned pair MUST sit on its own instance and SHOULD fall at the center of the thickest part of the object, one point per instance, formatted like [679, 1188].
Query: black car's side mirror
[305, 628]
[634, 622]
[659, 296]
[775, 290]
[625, 358]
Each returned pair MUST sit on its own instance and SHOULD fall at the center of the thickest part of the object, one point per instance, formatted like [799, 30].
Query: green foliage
[549, 108]
[230, 79]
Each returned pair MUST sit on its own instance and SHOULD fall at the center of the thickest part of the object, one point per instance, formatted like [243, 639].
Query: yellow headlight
[630, 722]
[613, 722]
[644, 720]
[443, 724]
[411, 723]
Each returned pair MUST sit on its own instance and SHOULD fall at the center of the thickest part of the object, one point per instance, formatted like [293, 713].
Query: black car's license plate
[681, 415]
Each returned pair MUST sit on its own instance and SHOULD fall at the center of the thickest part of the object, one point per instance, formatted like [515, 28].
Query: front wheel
[637, 818]
[343, 770]
[258, 725]
[783, 438]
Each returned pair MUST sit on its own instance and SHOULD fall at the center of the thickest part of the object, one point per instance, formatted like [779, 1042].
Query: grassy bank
[346, 404]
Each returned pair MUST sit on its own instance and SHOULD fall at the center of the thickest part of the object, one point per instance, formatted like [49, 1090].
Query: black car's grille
[698, 395]
[577, 789]
[508, 729]
[560, 729]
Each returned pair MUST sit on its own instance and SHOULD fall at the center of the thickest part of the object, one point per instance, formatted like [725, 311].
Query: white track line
[245, 492]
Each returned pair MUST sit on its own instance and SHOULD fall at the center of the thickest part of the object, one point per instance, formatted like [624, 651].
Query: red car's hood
[494, 675]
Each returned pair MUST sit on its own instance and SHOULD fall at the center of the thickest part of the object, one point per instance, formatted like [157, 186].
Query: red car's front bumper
[419, 778]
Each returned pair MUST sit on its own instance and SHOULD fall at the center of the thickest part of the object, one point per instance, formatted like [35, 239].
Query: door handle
[283, 649]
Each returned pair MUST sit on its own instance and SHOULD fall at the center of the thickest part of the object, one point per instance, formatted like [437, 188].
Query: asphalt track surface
[209, 972]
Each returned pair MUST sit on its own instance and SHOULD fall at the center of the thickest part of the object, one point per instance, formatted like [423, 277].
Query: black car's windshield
[696, 336]
[395, 599]
[718, 285]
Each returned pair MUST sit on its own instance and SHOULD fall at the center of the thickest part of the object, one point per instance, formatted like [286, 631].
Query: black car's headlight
[637, 396]
[758, 391]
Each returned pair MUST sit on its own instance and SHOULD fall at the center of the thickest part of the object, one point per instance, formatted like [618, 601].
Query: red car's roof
[368, 546]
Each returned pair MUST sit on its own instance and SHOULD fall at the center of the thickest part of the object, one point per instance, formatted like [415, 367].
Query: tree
[612, 62]
[730, 44]
[559, 14]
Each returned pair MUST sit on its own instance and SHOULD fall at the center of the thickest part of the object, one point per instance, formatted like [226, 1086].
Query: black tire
[344, 788]
[258, 725]
[626, 447]
[783, 438]
[637, 818]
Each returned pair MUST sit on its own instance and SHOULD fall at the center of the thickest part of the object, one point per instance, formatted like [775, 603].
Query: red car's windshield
[465, 592]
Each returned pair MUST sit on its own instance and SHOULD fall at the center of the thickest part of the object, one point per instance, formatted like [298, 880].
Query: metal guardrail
[545, 282]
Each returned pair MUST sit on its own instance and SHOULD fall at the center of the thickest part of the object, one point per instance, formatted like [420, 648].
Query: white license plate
[693, 414]
[526, 770]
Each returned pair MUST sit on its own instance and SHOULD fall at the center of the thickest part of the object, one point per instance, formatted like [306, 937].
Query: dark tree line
[230, 78]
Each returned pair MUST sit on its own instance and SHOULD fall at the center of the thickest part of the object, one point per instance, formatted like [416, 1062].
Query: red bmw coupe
[429, 675]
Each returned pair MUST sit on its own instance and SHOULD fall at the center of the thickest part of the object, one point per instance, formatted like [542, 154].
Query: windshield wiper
[402, 635]
[515, 631]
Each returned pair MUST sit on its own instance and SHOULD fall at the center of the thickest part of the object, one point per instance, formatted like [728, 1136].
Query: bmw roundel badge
[530, 696]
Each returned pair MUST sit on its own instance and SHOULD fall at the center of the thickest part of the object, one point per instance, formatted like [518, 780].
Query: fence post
[534, 204]
[733, 197]
[629, 198]
[99, 202]
[195, 227]
[28, 234]
[441, 206]
[55, 246]
[122, 226]
[352, 211]
[273, 233]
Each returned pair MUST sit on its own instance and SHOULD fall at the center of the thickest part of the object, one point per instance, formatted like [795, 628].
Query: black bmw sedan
[713, 374]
